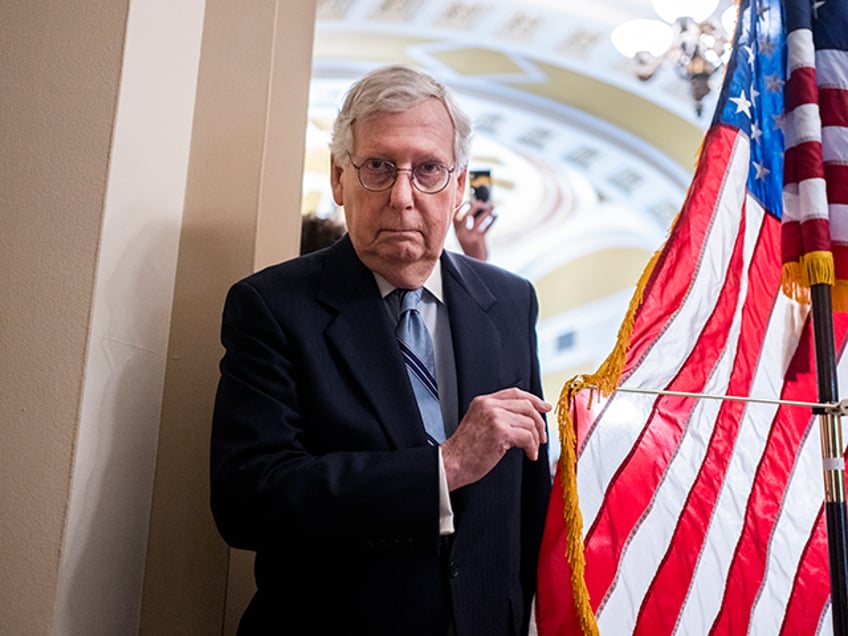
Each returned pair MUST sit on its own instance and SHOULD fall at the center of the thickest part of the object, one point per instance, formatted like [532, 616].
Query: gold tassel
[573, 517]
[818, 267]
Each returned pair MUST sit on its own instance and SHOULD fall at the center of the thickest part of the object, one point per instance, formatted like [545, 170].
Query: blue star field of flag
[752, 96]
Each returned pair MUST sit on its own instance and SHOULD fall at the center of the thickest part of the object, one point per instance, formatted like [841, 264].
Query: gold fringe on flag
[604, 380]
[793, 283]
[814, 268]
[839, 295]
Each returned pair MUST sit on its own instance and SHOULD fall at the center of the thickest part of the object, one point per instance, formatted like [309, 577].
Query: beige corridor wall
[59, 87]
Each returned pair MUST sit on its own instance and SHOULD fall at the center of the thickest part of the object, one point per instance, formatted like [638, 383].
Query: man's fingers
[532, 428]
[515, 393]
[527, 439]
[461, 211]
[528, 414]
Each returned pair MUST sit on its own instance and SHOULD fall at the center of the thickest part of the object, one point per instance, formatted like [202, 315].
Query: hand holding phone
[473, 223]
[480, 183]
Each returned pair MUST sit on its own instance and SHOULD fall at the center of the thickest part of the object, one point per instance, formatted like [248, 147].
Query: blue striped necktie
[417, 349]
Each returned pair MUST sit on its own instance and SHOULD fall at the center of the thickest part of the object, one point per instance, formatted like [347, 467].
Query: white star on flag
[742, 104]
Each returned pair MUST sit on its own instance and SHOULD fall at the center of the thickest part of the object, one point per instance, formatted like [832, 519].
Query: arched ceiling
[590, 164]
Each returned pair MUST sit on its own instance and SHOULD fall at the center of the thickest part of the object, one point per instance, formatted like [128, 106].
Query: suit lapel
[476, 339]
[363, 338]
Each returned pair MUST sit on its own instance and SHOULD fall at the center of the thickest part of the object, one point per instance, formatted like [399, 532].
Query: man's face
[400, 232]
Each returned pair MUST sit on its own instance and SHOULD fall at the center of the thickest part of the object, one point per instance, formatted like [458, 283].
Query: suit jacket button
[453, 569]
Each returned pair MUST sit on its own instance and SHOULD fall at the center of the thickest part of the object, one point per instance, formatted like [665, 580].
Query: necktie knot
[409, 300]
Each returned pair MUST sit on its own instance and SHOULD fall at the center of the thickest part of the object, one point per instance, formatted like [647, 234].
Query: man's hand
[494, 423]
[471, 226]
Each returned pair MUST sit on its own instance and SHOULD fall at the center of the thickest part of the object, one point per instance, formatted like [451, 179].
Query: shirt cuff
[445, 509]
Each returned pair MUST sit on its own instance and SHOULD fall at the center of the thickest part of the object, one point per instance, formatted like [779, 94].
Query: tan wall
[59, 90]
[95, 148]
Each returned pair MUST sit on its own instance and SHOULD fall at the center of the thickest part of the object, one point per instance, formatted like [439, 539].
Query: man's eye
[378, 165]
[428, 167]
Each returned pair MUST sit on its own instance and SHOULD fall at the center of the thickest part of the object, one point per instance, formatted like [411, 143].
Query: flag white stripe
[839, 222]
[826, 621]
[832, 68]
[799, 45]
[805, 200]
[803, 124]
[835, 144]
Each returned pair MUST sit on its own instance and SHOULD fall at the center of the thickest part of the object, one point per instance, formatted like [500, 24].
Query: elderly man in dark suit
[379, 435]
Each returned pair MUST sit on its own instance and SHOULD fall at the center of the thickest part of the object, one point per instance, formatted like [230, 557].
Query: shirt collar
[433, 284]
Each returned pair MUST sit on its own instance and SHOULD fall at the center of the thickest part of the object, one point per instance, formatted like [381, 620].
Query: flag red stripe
[840, 260]
[808, 592]
[816, 234]
[791, 243]
[668, 590]
[833, 105]
[553, 592]
[803, 162]
[837, 182]
[623, 505]
[800, 88]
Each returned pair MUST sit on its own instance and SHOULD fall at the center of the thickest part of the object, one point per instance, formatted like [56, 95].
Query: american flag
[700, 516]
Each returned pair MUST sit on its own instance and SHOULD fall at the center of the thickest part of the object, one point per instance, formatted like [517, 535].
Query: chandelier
[689, 38]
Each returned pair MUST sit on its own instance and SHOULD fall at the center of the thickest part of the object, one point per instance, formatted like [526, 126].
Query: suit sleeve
[267, 485]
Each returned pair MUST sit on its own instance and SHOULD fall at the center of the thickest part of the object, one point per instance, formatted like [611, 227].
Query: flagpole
[833, 463]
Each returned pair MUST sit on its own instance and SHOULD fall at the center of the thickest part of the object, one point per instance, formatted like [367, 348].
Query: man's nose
[402, 188]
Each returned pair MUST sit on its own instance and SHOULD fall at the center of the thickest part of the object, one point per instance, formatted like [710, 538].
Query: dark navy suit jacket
[319, 461]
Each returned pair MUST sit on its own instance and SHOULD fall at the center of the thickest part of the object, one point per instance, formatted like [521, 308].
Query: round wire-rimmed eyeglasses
[377, 175]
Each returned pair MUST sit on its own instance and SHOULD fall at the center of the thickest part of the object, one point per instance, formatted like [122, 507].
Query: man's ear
[336, 181]
[461, 180]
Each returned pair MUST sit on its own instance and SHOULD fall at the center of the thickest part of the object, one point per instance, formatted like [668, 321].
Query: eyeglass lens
[379, 174]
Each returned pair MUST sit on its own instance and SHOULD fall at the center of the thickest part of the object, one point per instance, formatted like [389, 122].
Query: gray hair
[391, 89]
